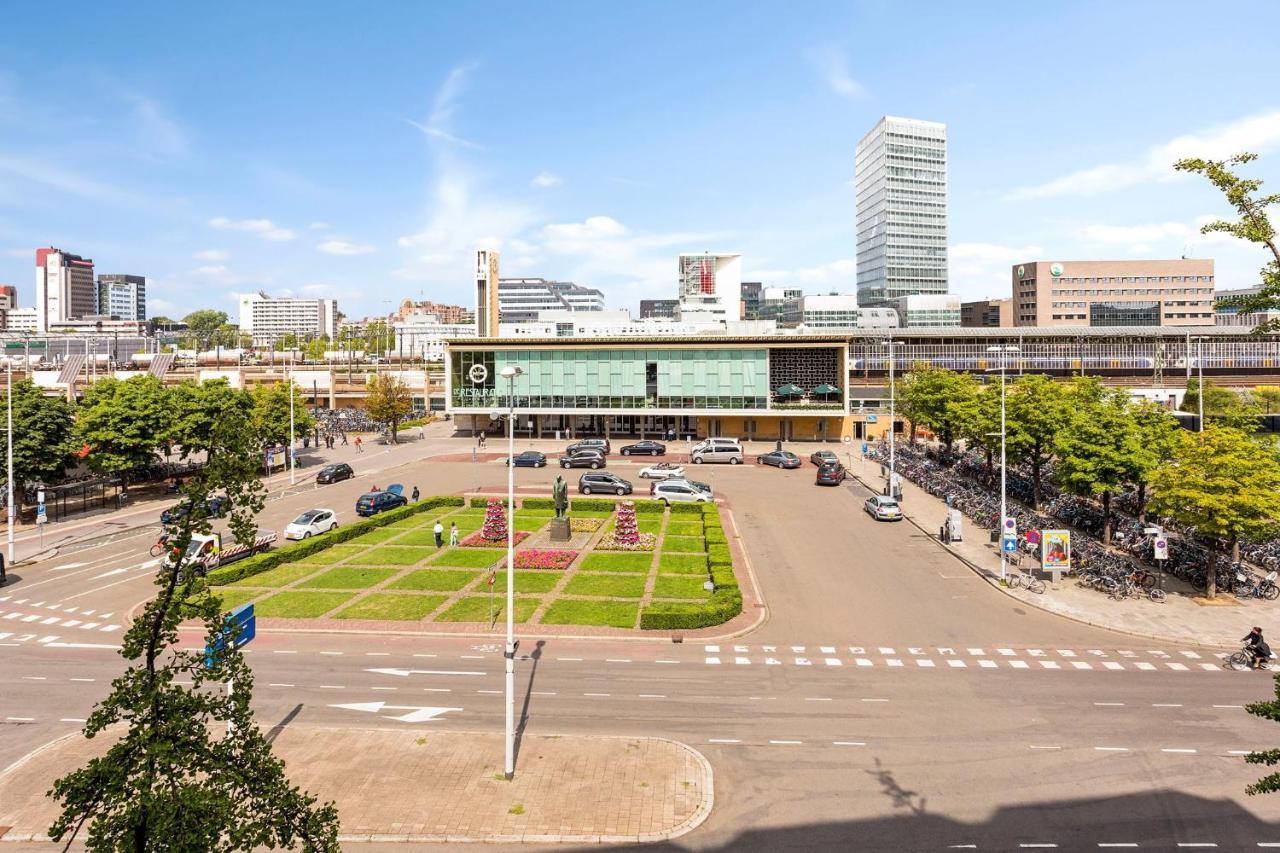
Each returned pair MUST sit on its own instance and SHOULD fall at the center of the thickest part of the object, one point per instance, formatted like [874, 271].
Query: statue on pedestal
[560, 494]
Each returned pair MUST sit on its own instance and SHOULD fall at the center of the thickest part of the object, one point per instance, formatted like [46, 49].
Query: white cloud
[1130, 234]
[979, 270]
[342, 247]
[545, 180]
[160, 307]
[211, 255]
[49, 175]
[160, 135]
[212, 270]
[439, 124]
[834, 68]
[1256, 133]
[264, 228]
[319, 226]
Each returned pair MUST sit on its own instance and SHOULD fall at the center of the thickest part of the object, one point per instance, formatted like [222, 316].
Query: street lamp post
[1004, 505]
[293, 450]
[1200, 381]
[9, 371]
[892, 413]
[510, 372]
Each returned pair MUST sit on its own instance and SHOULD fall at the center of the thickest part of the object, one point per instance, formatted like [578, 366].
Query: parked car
[676, 491]
[883, 508]
[530, 459]
[376, 502]
[822, 457]
[717, 450]
[601, 444]
[779, 459]
[590, 484]
[313, 522]
[831, 474]
[216, 506]
[585, 458]
[700, 486]
[334, 473]
[645, 448]
[661, 471]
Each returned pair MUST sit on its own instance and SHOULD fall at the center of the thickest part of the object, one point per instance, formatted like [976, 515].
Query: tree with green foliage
[1099, 449]
[1267, 710]
[1267, 399]
[205, 324]
[1224, 485]
[173, 781]
[1037, 408]
[123, 422]
[43, 437]
[1222, 406]
[197, 407]
[288, 342]
[1254, 225]
[388, 400]
[316, 348]
[936, 398]
[977, 421]
[270, 413]
[379, 337]
[1158, 435]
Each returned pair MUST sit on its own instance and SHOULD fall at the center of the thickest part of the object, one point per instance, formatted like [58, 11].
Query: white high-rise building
[65, 289]
[123, 296]
[901, 176]
[710, 288]
[268, 319]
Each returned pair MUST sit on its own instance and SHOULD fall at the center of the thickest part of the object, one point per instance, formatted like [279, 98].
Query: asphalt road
[890, 701]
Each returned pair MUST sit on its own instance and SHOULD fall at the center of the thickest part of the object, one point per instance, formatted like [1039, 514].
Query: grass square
[328, 556]
[526, 582]
[348, 577]
[684, 544]
[383, 605]
[425, 536]
[279, 576]
[376, 537]
[682, 564]
[679, 586]
[469, 558]
[684, 528]
[618, 614]
[529, 524]
[589, 513]
[603, 561]
[475, 608]
[437, 580]
[232, 598]
[301, 605]
[393, 555]
[606, 585]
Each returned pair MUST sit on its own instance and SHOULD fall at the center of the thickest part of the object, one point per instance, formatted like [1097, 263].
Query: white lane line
[1111, 748]
[384, 688]
[722, 740]
[1081, 664]
[84, 679]
[713, 660]
[1006, 652]
[817, 699]
[35, 678]
[714, 649]
[1269, 843]
[652, 696]
[1019, 664]
[925, 662]
[741, 661]
[827, 650]
[1110, 664]
[1197, 844]
[570, 659]
[786, 742]
[1211, 667]
[338, 653]
[73, 720]
[437, 690]
[863, 662]
[1050, 664]
[848, 743]
[666, 661]
[585, 694]
[1066, 653]
[1033, 746]
[1239, 751]
[987, 664]
[21, 719]
[464, 657]
[333, 687]
[1036, 845]
[419, 655]
[1144, 666]
[279, 684]
[388, 654]
[1165, 705]
[1229, 707]
[957, 664]
[617, 660]
[893, 662]
[283, 652]
[493, 692]
[875, 700]
[1180, 751]
[1117, 844]
[538, 692]
[1109, 704]
[833, 662]
[1180, 667]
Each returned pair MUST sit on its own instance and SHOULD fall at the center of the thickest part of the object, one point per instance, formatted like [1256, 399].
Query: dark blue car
[531, 459]
[376, 502]
[216, 505]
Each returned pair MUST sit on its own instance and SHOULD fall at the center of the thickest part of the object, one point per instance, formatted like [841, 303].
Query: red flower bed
[477, 540]
[543, 558]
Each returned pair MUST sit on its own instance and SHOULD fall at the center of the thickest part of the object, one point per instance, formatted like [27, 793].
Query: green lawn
[348, 577]
[685, 544]
[469, 558]
[279, 576]
[526, 581]
[475, 608]
[682, 564]
[393, 555]
[232, 598]
[328, 556]
[679, 586]
[610, 586]
[621, 561]
[382, 605]
[569, 612]
[425, 536]
[531, 523]
[589, 513]
[438, 580]
[376, 537]
[684, 528]
[301, 605]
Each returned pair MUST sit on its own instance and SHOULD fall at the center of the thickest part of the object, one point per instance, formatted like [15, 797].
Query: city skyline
[302, 177]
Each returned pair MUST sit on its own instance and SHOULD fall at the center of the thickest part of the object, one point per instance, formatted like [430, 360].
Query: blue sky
[362, 151]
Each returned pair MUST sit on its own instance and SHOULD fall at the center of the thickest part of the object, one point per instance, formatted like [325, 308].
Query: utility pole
[510, 372]
[9, 370]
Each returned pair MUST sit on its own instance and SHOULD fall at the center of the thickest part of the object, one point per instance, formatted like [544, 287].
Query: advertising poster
[1055, 547]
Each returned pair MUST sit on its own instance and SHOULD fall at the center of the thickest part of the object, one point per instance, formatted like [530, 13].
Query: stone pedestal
[560, 530]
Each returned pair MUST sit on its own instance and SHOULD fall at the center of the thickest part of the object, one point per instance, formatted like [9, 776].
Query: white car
[313, 522]
[679, 491]
[883, 508]
[662, 471]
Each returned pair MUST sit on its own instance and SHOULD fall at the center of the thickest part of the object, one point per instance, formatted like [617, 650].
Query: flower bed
[644, 542]
[585, 525]
[477, 540]
[543, 558]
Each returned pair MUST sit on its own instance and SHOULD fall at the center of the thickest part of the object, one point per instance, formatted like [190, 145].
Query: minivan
[717, 450]
[601, 444]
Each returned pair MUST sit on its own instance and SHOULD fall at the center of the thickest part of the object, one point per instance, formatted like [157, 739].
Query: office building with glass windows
[1114, 293]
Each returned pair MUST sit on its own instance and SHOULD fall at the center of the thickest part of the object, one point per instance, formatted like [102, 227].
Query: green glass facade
[631, 378]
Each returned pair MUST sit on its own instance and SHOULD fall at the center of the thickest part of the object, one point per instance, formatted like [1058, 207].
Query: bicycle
[162, 545]
[1243, 659]
[1031, 582]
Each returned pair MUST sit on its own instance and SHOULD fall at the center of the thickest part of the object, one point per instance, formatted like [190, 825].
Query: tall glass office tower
[901, 175]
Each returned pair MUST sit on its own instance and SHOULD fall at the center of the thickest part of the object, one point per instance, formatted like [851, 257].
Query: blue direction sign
[237, 630]
[871, 419]
[1009, 544]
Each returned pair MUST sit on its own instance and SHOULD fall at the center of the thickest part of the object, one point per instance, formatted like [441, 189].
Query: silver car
[678, 491]
[883, 508]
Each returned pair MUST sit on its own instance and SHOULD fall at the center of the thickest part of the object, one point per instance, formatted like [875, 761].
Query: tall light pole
[1200, 381]
[510, 372]
[892, 411]
[9, 371]
[292, 439]
[1004, 504]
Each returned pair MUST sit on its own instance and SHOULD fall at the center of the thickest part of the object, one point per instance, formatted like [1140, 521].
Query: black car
[822, 457]
[583, 459]
[779, 459]
[831, 474]
[530, 459]
[216, 505]
[590, 484]
[645, 447]
[335, 473]
[600, 444]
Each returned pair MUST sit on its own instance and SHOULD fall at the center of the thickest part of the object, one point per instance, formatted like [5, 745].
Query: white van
[717, 450]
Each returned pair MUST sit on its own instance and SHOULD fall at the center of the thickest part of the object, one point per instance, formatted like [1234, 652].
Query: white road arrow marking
[110, 573]
[417, 713]
[403, 673]
[67, 566]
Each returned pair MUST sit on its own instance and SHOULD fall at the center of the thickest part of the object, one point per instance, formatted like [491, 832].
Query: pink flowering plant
[643, 542]
[545, 558]
[478, 540]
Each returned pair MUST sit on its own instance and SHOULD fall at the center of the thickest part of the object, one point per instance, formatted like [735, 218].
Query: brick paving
[419, 786]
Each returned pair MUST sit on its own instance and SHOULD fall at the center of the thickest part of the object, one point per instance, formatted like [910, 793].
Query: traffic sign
[1010, 526]
[1008, 544]
[41, 516]
[871, 419]
[239, 627]
[1160, 548]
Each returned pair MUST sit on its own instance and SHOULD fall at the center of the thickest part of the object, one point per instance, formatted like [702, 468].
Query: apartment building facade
[123, 296]
[1114, 293]
[268, 319]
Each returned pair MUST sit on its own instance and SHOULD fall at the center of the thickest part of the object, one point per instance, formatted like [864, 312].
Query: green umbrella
[789, 390]
[825, 390]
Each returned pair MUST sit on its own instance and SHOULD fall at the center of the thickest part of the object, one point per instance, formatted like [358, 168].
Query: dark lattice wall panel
[807, 367]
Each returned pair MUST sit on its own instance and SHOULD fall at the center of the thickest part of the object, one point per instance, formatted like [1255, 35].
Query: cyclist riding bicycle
[1258, 647]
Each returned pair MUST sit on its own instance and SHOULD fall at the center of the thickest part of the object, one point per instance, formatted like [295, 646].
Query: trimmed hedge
[538, 503]
[685, 509]
[718, 553]
[715, 536]
[609, 505]
[483, 502]
[289, 553]
[724, 604]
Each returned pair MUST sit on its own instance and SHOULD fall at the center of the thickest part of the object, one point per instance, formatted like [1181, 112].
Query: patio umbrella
[825, 390]
[789, 390]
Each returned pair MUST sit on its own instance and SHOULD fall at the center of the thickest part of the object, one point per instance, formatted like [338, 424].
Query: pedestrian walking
[482, 439]
[438, 530]
[344, 439]
[422, 432]
[415, 494]
[453, 533]
[4, 578]
[359, 447]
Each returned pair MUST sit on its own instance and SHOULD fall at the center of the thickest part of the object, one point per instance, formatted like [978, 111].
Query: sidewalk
[1185, 617]
[412, 784]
